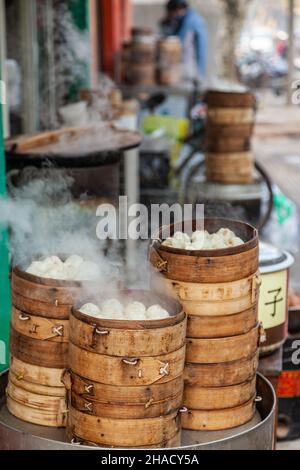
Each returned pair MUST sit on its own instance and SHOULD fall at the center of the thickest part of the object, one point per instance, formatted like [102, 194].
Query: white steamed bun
[156, 312]
[91, 309]
[135, 311]
[113, 308]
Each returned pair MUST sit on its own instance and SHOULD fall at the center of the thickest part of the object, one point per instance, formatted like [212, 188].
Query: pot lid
[273, 259]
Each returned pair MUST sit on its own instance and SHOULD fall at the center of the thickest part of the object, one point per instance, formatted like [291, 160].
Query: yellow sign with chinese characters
[273, 299]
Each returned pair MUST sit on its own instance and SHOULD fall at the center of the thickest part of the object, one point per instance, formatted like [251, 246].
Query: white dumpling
[36, 268]
[226, 234]
[135, 311]
[156, 312]
[72, 266]
[54, 262]
[217, 242]
[182, 237]
[88, 271]
[74, 261]
[113, 308]
[91, 309]
[53, 268]
[199, 235]
[235, 241]
[168, 242]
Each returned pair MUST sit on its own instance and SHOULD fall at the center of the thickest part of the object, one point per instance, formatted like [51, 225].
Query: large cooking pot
[256, 435]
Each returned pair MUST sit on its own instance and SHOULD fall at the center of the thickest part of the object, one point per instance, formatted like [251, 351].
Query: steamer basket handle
[97, 332]
[23, 317]
[184, 409]
[130, 362]
[156, 260]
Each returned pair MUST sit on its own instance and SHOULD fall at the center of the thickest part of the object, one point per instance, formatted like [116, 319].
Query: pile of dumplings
[75, 268]
[202, 240]
[113, 309]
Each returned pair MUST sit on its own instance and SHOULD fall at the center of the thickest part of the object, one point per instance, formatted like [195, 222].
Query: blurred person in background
[191, 28]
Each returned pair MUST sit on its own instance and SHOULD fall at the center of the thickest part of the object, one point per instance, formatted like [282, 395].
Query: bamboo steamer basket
[43, 410]
[221, 374]
[227, 144]
[167, 444]
[218, 131]
[218, 398]
[143, 50]
[40, 328]
[237, 167]
[229, 178]
[207, 266]
[142, 74]
[37, 388]
[44, 297]
[169, 51]
[229, 99]
[36, 375]
[169, 75]
[127, 372]
[40, 318]
[215, 299]
[127, 339]
[216, 420]
[199, 326]
[150, 432]
[37, 394]
[114, 370]
[127, 410]
[220, 350]
[40, 353]
[125, 402]
[229, 116]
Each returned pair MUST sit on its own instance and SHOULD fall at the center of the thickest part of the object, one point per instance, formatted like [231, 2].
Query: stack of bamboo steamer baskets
[219, 291]
[142, 58]
[230, 121]
[126, 377]
[39, 342]
[169, 60]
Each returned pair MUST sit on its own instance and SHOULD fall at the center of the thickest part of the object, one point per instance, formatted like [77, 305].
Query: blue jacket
[192, 21]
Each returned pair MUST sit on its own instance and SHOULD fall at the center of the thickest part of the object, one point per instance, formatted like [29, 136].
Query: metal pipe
[291, 30]
[133, 195]
[29, 59]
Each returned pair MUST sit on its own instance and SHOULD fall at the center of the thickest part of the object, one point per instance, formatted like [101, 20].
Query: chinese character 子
[277, 298]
